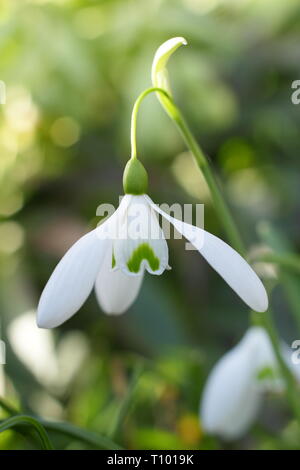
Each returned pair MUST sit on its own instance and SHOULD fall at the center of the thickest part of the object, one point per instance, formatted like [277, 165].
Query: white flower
[159, 73]
[114, 256]
[234, 390]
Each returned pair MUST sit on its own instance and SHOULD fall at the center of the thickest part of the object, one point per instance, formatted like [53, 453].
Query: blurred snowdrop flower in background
[34, 347]
[53, 366]
[234, 390]
[72, 352]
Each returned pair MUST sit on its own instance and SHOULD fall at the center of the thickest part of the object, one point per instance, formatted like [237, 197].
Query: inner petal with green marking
[143, 252]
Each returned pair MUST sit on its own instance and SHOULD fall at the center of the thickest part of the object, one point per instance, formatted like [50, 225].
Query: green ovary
[143, 251]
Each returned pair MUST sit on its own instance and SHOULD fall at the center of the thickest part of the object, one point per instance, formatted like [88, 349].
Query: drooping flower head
[115, 256]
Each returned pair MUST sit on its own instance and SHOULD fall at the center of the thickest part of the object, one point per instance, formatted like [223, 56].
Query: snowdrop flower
[234, 390]
[115, 255]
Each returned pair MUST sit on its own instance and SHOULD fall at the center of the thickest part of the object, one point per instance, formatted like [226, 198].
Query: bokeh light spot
[65, 131]
[11, 237]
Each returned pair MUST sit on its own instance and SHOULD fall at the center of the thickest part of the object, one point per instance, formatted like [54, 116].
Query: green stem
[287, 261]
[126, 402]
[201, 160]
[292, 392]
[91, 438]
[21, 420]
[231, 230]
[225, 216]
[88, 437]
[235, 239]
[134, 114]
[217, 197]
[289, 280]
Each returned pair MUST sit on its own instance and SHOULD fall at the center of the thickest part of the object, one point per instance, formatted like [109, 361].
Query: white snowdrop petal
[257, 336]
[235, 271]
[268, 376]
[72, 281]
[225, 260]
[141, 244]
[231, 400]
[115, 290]
[74, 277]
[161, 58]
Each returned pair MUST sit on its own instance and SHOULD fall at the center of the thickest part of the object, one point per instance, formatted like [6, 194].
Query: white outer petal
[72, 281]
[225, 260]
[115, 290]
[231, 399]
[74, 277]
[257, 338]
[110, 228]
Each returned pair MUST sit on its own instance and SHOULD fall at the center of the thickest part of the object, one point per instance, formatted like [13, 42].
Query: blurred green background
[72, 71]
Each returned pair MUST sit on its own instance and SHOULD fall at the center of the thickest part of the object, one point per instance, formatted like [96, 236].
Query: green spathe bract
[135, 178]
[142, 252]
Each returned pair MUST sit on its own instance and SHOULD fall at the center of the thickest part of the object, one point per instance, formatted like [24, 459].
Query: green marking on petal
[113, 260]
[143, 251]
[266, 373]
